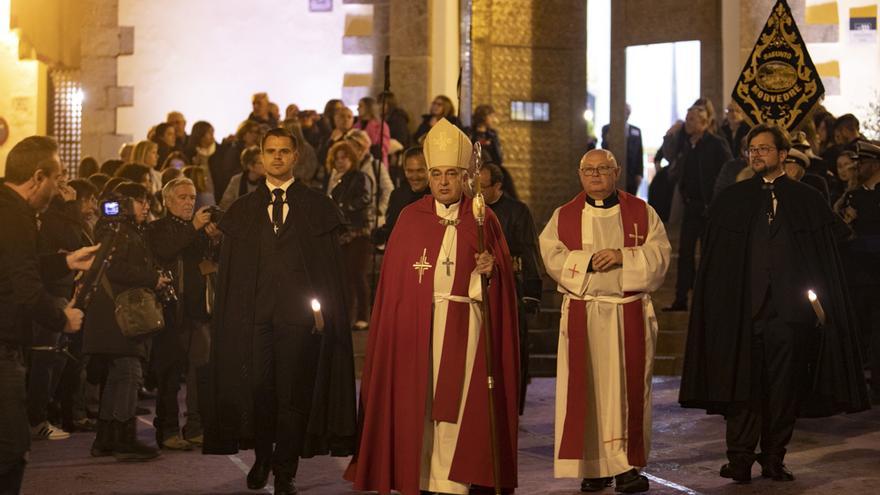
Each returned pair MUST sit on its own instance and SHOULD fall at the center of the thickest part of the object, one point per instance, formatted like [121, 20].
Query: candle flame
[811, 296]
[316, 305]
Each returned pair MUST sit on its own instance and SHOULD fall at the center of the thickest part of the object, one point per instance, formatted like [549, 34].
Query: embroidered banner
[779, 83]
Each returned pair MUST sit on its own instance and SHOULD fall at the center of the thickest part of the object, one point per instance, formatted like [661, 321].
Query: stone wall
[103, 40]
[534, 50]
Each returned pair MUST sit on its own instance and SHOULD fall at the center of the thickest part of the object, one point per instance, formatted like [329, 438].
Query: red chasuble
[633, 212]
[397, 372]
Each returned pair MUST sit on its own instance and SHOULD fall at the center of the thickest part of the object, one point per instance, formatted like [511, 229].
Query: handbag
[138, 313]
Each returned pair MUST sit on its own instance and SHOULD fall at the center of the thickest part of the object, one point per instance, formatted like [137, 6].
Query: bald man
[607, 251]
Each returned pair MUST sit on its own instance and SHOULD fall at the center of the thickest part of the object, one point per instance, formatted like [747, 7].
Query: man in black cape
[755, 352]
[278, 373]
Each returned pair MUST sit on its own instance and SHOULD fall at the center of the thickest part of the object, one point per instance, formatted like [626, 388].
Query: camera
[117, 207]
[216, 213]
[167, 295]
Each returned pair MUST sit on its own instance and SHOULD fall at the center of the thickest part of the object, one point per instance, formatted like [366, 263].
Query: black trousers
[285, 360]
[777, 372]
[15, 435]
[692, 225]
[868, 311]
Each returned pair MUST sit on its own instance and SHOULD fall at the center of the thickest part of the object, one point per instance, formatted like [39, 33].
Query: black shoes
[741, 473]
[258, 475]
[285, 484]
[104, 439]
[127, 447]
[631, 482]
[595, 484]
[776, 471]
[628, 482]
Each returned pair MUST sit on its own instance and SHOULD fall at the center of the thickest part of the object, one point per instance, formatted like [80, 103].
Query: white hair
[173, 184]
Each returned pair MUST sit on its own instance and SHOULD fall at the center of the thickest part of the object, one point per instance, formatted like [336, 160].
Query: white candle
[817, 306]
[319, 317]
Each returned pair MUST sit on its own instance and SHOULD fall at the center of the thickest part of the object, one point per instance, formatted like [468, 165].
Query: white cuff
[574, 276]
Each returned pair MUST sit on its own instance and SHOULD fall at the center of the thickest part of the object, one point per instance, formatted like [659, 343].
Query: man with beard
[33, 177]
[754, 352]
[424, 404]
[416, 187]
[281, 372]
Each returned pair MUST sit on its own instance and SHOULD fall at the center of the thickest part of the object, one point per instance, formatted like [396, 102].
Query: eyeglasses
[600, 170]
[760, 150]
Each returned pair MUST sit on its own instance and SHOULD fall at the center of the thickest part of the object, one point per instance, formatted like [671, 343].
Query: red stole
[634, 214]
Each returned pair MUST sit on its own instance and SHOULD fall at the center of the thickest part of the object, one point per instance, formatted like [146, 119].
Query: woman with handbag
[115, 358]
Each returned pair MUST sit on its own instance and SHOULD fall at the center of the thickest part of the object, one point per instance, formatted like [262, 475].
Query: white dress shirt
[284, 209]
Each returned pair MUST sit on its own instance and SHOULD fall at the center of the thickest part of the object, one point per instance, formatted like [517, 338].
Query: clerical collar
[771, 181]
[608, 202]
[447, 212]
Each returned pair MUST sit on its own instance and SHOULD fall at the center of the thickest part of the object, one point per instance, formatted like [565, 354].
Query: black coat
[398, 126]
[62, 229]
[352, 197]
[635, 162]
[522, 239]
[131, 266]
[401, 197]
[717, 359]
[226, 397]
[23, 297]
[698, 167]
[172, 239]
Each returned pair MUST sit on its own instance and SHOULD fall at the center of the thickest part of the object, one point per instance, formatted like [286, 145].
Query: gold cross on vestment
[636, 236]
[574, 271]
[422, 264]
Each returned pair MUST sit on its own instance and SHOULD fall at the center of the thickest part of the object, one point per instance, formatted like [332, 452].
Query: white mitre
[446, 146]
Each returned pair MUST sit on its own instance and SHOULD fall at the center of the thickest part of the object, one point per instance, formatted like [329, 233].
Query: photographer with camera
[115, 359]
[182, 242]
[33, 175]
[63, 228]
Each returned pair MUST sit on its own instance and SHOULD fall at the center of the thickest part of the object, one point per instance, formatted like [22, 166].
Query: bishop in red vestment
[424, 420]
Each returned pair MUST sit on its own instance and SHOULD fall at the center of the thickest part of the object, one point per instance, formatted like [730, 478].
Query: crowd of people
[161, 203]
[827, 153]
[175, 214]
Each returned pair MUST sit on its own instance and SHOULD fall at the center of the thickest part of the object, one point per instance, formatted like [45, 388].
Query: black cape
[226, 397]
[716, 364]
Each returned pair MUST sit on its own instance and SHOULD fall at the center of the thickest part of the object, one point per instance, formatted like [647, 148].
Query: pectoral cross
[574, 271]
[636, 236]
[422, 264]
[448, 263]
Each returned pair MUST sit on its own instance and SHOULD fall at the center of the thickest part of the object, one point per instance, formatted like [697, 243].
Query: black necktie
[278, 208]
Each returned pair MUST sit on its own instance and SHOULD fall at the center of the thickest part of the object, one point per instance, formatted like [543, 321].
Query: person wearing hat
[797, 165]
[861, 257]
[424, 406]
